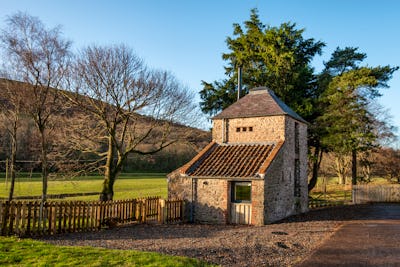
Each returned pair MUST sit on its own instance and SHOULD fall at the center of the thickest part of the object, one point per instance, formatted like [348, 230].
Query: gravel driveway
[280, 244]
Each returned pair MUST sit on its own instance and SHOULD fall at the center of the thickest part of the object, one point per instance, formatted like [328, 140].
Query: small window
[244, 129]
[250, 129]
[238, 129]
[297, 186]
[241, 192]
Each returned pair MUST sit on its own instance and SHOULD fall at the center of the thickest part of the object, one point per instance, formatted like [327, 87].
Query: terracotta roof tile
[231, 160]
[198, 158]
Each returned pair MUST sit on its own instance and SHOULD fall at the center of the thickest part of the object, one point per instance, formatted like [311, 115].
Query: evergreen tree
[276, 57]
[347, 119]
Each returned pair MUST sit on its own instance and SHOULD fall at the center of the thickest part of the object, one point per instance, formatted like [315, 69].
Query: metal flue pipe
[239, 88]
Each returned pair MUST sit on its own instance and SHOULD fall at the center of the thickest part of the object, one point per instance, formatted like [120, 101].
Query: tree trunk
[341, 169]
[44, 174]
[353, 167]
[316, 163]
[44, 165]
[13, 159]
[107, 192]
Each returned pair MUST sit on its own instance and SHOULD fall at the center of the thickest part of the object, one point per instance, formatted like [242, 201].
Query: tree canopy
[349, 90]
[276, 57]
[39, 57]
[130, 108]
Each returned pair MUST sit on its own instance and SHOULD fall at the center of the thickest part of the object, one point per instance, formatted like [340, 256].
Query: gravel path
[281, 244]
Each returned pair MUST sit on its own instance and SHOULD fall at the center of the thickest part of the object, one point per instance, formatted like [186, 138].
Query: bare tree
[38, 57]
[387, 164]
[11, 108]
[129, 108]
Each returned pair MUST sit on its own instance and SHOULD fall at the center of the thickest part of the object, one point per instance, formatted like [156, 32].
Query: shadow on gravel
[375, 211]
[151, 231]
[379, 211]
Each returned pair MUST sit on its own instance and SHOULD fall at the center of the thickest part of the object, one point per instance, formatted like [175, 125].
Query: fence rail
[23, 218]
[376, 193]
[322, 203]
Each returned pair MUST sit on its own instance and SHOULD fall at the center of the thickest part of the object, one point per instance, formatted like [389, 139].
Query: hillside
[189, 140]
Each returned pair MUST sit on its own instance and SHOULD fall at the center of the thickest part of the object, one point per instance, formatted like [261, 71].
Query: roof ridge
[248, 143]
[260, 102]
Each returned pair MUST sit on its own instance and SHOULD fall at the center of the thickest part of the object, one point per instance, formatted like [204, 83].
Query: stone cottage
[255, 169]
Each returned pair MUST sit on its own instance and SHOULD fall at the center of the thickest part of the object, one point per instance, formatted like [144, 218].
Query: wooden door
[240, 213]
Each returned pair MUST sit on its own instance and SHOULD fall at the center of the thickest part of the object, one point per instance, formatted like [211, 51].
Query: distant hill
[192, 139]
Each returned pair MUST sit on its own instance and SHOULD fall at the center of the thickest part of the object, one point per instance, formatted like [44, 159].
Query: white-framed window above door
[241, 192]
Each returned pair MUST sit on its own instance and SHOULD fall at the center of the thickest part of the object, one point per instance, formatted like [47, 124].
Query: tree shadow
[360, 212]
[194, 226]
[378, 211]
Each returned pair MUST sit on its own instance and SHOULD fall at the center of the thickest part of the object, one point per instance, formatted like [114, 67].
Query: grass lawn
[27, 252]
[329, 189]
[128, 185]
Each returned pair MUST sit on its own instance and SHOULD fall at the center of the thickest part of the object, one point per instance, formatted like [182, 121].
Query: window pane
[243, 192]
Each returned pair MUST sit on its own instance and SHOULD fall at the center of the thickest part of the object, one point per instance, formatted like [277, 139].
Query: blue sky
[188, 37]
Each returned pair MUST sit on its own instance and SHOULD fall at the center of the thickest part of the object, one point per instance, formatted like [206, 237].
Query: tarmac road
[371, 242]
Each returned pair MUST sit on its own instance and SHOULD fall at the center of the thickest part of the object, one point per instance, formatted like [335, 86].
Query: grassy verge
[128, 185]
[27, 252]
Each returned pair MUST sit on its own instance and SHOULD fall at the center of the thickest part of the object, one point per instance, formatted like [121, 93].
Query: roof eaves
[264, 167]
[254, 177]
[285, 108]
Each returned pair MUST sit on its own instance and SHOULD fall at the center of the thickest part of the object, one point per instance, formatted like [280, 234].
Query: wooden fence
[23, 218]
[321, 203]
[376, 193]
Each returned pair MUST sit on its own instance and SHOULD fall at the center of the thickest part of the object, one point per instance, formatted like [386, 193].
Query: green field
[27, 252]
[128, 185]
[328, 189]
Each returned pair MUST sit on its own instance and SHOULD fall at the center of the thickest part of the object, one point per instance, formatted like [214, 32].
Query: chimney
[239, 88]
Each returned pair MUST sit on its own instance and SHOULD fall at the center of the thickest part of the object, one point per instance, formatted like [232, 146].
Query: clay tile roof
[232, 160]
[260, 102]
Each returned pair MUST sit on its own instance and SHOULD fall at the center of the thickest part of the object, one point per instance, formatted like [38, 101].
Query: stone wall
[304, 168]
[211, 198]
[207, 199]
[180, 187]
[257, 202]
[278, 190]
[280, 201]
[300, 203]
[211, 201]
[264, 129]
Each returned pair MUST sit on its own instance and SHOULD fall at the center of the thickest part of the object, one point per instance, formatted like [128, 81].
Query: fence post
[5, 215]
[144, 210]
[161, 211]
